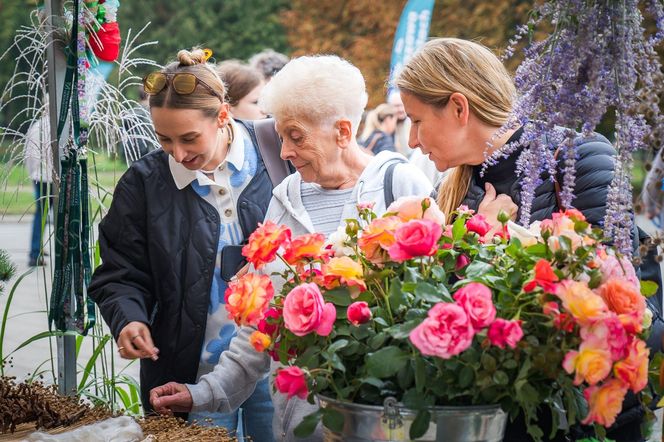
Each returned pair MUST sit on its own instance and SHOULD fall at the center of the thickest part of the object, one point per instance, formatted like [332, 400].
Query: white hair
[321, 89]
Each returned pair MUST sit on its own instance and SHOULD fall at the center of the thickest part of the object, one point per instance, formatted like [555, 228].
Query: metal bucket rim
[495, 408]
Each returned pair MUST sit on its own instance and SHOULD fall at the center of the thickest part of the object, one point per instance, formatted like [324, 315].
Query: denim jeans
[42, 194]
[253, 419]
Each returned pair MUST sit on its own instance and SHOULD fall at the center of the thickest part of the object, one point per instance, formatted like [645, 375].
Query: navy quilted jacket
[594, 172]
[158, 248]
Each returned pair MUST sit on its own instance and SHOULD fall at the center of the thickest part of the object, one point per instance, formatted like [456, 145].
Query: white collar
[183, 176]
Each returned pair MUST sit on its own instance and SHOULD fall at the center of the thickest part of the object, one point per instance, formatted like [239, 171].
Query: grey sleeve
[234, 377]
[408, 180]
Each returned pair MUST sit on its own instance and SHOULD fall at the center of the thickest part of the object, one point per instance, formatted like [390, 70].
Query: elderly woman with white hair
[317, 103]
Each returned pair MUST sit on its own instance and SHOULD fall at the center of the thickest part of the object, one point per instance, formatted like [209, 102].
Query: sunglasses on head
[183, 83]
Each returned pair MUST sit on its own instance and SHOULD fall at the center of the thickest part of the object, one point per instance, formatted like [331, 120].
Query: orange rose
[633, 370]
[310, 245]
[343, 270]
[377, 237]
[591, 364]
[621, 297]
[247, 298]
[264, 243]
[604, 402]
[581, 302]
[260, 341]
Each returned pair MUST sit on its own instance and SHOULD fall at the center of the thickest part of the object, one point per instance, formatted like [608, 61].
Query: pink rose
[291, 381]
[305, 311]
[411, 207]
[446, 331]
[417, 237]
[358, 313]
[478, 224]
[476, 300]
[503, 332]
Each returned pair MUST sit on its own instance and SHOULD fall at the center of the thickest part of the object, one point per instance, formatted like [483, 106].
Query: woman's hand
[135, 341]
[171, 398]
[492, 204]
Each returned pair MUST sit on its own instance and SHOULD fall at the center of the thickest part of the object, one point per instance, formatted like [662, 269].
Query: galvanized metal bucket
[392, 422]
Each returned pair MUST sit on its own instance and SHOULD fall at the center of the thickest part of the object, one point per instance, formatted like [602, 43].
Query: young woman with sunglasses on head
[175, 225]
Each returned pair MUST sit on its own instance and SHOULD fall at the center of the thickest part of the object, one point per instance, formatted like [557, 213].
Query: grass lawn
[16, 189]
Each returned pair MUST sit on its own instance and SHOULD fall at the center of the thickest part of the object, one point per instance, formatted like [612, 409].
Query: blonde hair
[193, 62]
[447, 65]
[375, 118]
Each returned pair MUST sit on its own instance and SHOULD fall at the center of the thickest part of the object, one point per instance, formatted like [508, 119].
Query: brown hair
[447, 65]
[192, 62]
[239, 79]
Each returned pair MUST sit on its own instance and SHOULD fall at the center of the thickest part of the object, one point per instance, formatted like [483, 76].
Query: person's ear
[224, 115]
[459, 107]
[344, 132]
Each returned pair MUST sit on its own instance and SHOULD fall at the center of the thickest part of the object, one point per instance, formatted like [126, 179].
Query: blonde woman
[178, 217]
[379, 129]
[458, 94]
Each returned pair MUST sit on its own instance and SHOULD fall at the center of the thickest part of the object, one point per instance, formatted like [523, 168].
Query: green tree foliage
[231, 28]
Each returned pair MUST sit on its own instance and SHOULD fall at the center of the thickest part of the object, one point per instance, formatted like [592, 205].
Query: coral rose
[545, 277]
[377, 237]
[504, 333]
[306, 312]
[591, 364]
[291, 382]
[416, 207]
[446, 331]
[610, 332]
[476, 300]
[633, 370]
[358, 313]
[248, 297]
[260, 341]
[621, 297]
[343, 270]
[308, 246]
[605, 402]
[583, 304]
[415, 238]
[264, 243]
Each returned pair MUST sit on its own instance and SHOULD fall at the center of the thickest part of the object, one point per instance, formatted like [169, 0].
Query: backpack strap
[388, 192]
[269, 146]
[556, 184]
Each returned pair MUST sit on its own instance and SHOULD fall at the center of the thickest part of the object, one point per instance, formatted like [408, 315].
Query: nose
[413, 141]
[179, 154]
[287, 152]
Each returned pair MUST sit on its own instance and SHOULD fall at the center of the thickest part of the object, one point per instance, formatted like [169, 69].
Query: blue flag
[412, 33]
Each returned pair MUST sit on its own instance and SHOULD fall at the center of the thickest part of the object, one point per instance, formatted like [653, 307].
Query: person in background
[268, 62]
[243, 87]
[403, 123]
[38, 159]
[176, 224]
[379, 128]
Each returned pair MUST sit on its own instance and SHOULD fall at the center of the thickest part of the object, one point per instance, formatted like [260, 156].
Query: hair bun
[190, 58]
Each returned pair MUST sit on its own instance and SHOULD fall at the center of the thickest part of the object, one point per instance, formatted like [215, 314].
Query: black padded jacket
[158, 248]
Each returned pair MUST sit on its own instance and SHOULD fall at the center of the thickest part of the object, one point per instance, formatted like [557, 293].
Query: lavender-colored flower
[598, 59]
